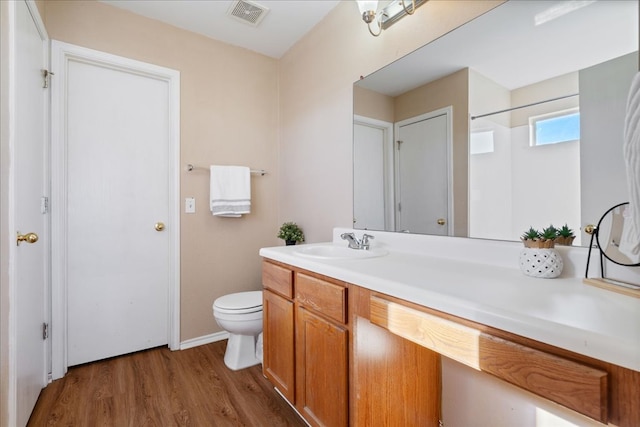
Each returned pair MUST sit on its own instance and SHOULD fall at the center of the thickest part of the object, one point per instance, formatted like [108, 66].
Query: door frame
[389, 177]
[61, 54]
[448, 113]
[8, 282]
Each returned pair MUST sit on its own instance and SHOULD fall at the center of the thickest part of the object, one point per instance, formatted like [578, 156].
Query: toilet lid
[241, 302]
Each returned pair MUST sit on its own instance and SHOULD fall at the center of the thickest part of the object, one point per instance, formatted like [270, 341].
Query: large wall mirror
[512, 120]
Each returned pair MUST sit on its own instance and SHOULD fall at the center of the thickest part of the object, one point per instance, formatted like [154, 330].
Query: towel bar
[260, 172]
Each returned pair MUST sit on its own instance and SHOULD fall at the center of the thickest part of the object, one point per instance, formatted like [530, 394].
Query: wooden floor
[161, 388]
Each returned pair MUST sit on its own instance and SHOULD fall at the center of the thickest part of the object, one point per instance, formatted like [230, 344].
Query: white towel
[630, 244]
[230, 191]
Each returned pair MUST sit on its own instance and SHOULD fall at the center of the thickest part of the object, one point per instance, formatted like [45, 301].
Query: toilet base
[241, 352]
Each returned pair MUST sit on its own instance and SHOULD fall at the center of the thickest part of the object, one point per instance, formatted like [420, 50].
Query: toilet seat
[239, 303]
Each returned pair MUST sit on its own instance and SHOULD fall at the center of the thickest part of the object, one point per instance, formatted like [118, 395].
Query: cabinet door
[397, 381]
[322, 370]
[278, 354]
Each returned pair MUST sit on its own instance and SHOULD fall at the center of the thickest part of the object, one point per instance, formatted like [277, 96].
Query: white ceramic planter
[543, 263]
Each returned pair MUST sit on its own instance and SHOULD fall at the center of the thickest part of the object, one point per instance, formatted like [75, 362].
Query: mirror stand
[609, 236]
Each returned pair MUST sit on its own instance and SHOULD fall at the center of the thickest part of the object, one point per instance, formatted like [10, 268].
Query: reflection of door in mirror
[372, 174]
[422, 171]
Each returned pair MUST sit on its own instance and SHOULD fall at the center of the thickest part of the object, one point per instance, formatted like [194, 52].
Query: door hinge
[399, 144]
[44, 205]
[45, 331]
[440, 423]
[46, 76]
[399, 207]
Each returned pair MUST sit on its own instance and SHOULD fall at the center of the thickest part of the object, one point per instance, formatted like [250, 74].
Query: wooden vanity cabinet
[372, 359]
[306, 343]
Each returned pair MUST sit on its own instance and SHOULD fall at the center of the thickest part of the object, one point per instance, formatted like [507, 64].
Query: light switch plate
[190, 205]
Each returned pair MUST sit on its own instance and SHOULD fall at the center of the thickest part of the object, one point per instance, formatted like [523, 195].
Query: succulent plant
[565, 231]
[531, 234]
[549, 233]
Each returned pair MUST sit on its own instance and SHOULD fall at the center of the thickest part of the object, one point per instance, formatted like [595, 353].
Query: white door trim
[11, 352]
[389, 190]
[448, 112]
[61, 54]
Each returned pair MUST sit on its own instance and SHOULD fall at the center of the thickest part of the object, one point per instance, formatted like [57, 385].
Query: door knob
[589, 228]
[159, 226]
[29, 238]
[441, 221]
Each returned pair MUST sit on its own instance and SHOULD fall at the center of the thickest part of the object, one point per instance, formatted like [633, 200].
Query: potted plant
[565, 236]
[539, 258]
[530, 238]
[291, 233]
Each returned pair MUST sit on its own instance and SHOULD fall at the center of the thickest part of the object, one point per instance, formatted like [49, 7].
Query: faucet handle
[365, 241]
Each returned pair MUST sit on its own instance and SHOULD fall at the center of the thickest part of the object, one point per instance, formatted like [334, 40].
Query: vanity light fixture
[390, 14]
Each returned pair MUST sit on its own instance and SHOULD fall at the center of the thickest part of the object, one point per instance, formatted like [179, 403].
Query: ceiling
[286, 22]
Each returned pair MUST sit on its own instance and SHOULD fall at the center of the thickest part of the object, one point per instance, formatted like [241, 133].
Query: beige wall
[368, 103]
[487, 96]
[228, 116]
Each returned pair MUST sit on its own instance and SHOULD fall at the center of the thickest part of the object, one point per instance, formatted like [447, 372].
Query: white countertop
[562, 312]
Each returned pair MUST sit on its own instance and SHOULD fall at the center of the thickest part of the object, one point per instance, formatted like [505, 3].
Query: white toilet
[240, 314]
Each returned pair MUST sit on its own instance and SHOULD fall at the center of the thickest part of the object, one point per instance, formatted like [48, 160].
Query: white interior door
[30, 173]
[120, 205]
[423, 175]
[372, 177]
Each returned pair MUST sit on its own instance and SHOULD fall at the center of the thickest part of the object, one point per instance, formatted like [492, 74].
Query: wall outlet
[190, 205]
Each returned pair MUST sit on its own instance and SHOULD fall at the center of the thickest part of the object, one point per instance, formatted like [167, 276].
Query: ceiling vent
[247, 11]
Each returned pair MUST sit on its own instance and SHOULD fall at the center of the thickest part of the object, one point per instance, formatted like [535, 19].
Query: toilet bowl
[240, 314]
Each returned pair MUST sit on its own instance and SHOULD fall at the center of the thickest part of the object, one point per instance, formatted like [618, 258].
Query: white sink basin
[337, 252]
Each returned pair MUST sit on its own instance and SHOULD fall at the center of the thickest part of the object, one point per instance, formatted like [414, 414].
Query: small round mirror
[612, 236]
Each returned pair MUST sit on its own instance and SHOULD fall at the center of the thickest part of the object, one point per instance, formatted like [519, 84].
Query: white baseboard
[206, 339]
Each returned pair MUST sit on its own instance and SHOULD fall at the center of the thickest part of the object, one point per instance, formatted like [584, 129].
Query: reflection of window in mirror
[554, 128]
[480, 142]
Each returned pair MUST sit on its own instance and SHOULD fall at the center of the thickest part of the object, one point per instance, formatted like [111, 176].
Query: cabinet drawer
[278, 279]
[322, 296]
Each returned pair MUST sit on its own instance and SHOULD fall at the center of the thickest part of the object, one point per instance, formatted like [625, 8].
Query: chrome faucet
[354, 243]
